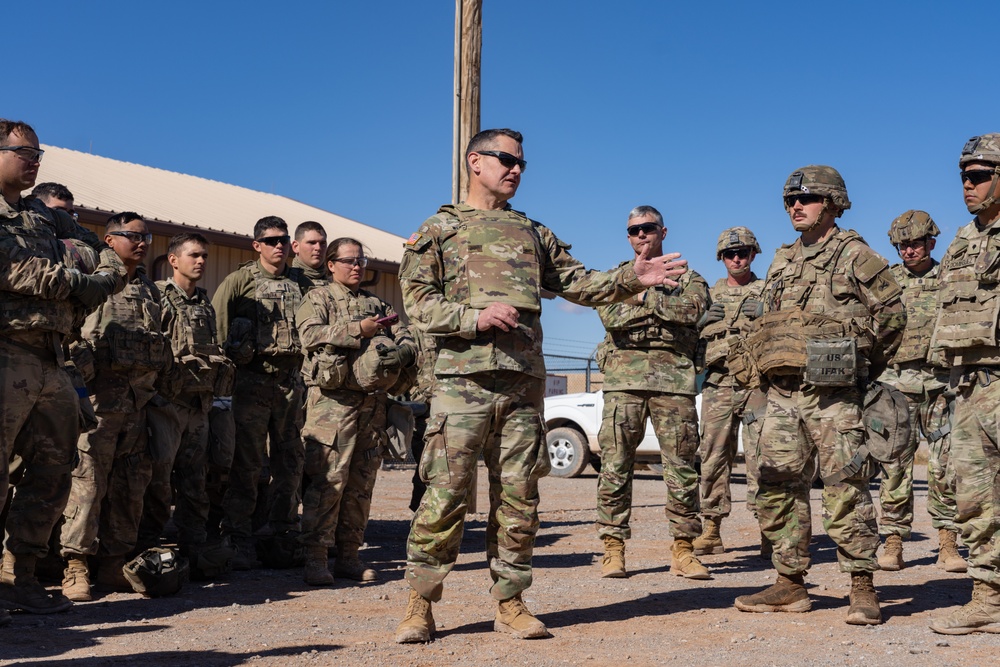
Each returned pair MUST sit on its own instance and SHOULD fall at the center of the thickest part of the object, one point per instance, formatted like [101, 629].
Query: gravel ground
[269, 617]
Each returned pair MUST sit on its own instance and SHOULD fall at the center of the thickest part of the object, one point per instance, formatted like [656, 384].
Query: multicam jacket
[463, 259]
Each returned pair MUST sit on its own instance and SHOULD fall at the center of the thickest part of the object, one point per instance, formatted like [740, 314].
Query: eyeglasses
[506, 159]
[274, 241]
[26, 153]
[805, 200]
[977, 176]
[645, 228]
[742, 253]
[912, 243]
[134, 237]
[353, 261]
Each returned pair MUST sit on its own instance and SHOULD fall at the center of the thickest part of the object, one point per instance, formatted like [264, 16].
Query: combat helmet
[736, 237]
[817, 179]
[912, 225]
[984, 148]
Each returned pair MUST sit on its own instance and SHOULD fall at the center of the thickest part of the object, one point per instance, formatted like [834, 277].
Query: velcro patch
[417, 242]
[869, 266]
[884, 287]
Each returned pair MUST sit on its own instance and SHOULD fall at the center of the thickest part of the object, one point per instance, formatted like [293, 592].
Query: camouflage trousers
[797, 422]
[753, 413]
[721, 411]
[498, 415]
[109, 482]
[345, 436]
[181, 481]
[935, 417]
[39, 426]
[267, 408]
[623, 425]
[976, 456]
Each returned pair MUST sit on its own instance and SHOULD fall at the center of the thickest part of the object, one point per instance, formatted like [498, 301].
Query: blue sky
[699, 109]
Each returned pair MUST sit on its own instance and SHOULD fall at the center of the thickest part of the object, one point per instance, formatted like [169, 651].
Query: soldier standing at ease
[472, 277]
[966, 333]
[123, 338]
[828, 296]
[647, 358]
[923, 383]
[39, 408]
[309, 246]
[353, 361]
[199, 373]
[255, 311]
[722, 396]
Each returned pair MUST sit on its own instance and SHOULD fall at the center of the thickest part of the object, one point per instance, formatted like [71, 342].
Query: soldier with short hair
[923, 382]
[55, 196]
[309, 246]
[472, 277]
[124, 340]
[723, 397]
[967, 334]
[829, 320]
[255, 314]
[40, 409]
[647, 358]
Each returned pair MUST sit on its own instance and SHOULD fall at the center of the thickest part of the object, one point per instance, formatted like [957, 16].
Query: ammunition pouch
[780, 343]
[329, 368]
[135, 350]
[740, 363]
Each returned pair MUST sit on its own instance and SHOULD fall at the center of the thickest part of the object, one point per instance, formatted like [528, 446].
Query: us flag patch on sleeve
[414, 237]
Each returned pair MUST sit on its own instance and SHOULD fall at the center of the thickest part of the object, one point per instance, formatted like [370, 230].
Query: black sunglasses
[274, 240]
[977, 176]
[506, 159]
[645, 228]
[802, 199]
[742, 253]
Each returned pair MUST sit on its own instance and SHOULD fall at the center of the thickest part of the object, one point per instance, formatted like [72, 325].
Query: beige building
[173, 203]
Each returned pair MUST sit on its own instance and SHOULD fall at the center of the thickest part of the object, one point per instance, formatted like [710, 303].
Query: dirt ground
[270, 617]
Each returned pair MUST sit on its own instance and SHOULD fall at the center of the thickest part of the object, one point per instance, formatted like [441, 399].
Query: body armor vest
[500, 251]
[328, 367]
[201, 365]
[277, 301]
[125, 330]
[22, 312]
[716, 335]
[802, 307]
[920, 298]
[652, 333]
[969, 312]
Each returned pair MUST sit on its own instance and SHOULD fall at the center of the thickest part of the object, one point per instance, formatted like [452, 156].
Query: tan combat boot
[948, 557]
[683, 562]
[19, 589]
[111, 577]
[316, 572]
[418, 624]
[514, 618]
[349, 566]
[981, 614]
[710, 541]
[787, 594]
[613, 564]
[76, 579]
[864, 608]
[892, 554]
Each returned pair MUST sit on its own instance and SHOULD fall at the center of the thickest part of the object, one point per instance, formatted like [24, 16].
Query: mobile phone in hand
[387, 320]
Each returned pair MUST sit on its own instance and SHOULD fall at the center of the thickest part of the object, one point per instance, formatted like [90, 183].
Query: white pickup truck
[573, 421]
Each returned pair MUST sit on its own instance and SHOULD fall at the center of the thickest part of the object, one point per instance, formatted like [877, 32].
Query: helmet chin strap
[736, 273]
[989, 201]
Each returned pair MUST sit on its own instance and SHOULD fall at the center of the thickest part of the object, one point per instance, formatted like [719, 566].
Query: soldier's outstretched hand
[659, 270]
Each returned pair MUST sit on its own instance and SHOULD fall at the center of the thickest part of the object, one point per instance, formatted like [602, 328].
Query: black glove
[752, 309]
[92, 290]
[397, 356]
[714, 314]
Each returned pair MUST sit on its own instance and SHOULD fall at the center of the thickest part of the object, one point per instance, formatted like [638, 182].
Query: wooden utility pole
[468, 51]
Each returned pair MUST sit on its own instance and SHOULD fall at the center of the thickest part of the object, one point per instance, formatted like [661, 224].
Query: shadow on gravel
[910, 599]
[200, 658]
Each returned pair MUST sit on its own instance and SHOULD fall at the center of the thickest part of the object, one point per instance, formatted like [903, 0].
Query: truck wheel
[568, 452]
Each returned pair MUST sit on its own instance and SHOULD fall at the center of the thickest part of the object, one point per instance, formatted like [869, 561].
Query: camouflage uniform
[647, 358]
[836, 289]
[39, 408]
[924, 387]
[489, 385]
[267, 398]
[421, 393]
[966, 334]
[128, 348]
[345, 429]
[317, 277]
[200, 371]
[723, 399]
